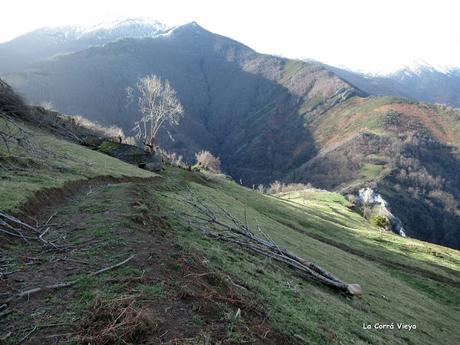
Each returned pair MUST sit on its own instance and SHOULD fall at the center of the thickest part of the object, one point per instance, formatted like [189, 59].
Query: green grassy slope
[403, 280]
[57, 162]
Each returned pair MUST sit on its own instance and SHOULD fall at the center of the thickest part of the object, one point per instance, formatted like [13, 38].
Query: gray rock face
[132, 155]
[370, 198]
[153, 166]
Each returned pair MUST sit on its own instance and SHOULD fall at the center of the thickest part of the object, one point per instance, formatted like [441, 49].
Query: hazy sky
[366, 35]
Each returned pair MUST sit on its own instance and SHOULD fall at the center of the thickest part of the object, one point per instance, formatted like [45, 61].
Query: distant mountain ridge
[44, 43]
[421, 82]
[272, 118]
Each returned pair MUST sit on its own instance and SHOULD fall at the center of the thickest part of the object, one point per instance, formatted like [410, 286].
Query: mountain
[420, 82]
[45, 43]
[272, 118]
[407, 151]
[244, 106]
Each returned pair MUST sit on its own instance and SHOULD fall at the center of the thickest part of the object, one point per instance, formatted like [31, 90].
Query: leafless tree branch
[231, 229]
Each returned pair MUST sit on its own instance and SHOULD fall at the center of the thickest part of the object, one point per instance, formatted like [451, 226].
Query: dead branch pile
[13, 227]
[12, 108]
[117, 321]
[12, 134]
[232, 230]
[27, 293]
[11, 103]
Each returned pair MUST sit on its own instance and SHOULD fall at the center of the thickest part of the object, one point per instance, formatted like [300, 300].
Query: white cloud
[367, 35]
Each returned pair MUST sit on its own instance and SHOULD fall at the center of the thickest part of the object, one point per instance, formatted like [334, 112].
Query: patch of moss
[107, 147]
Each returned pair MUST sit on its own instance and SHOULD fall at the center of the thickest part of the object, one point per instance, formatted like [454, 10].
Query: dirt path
[164, 295]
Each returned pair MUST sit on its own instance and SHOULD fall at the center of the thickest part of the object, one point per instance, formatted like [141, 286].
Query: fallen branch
[239, 233]
[49, 220]
[14, 134]
[14, 227]
[57, 286]
[16, 220]
[38, 327]
[23, 339]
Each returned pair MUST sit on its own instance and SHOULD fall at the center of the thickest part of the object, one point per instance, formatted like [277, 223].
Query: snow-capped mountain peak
[127, 22]
[49, 42]
[105, 31]
[123, 28]
[419, 67]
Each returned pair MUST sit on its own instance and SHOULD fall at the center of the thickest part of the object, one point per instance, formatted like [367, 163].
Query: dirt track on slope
[164, 295]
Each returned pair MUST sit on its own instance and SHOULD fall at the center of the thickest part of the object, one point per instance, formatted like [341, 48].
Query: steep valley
[130, 263]
[270, 118]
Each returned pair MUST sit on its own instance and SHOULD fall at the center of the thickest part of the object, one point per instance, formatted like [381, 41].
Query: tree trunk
[153, 141]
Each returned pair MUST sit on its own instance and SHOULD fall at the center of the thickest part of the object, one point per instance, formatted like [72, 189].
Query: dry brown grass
[117, 321]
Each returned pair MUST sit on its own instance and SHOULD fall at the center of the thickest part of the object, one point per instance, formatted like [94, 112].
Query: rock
[91, 141]
[370, 198]
[131, 154]
[153, 166]
[152, 163]
[127, 153]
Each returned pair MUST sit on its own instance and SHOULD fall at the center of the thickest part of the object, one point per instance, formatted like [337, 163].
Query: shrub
[112, 132]
[206, 160]
[279, 187]
[379, 221]
[172, 158]
[130, 141]
[261, 188]
[47, 106]
[275, 187]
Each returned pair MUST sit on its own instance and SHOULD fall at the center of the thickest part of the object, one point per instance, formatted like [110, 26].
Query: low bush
[112, 132]
[279, 187]
[379, 221]
[208, 161]
[172, 158]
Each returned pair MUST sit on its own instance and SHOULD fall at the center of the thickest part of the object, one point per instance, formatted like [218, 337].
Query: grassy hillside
[270, 118]
[404, 280]
[52, 163]
[185, 287]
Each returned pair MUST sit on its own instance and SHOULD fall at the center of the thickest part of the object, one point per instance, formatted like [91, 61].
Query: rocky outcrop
[372, 202]
[131, 154]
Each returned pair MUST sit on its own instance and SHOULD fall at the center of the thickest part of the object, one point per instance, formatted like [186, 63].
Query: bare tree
[158, 103]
